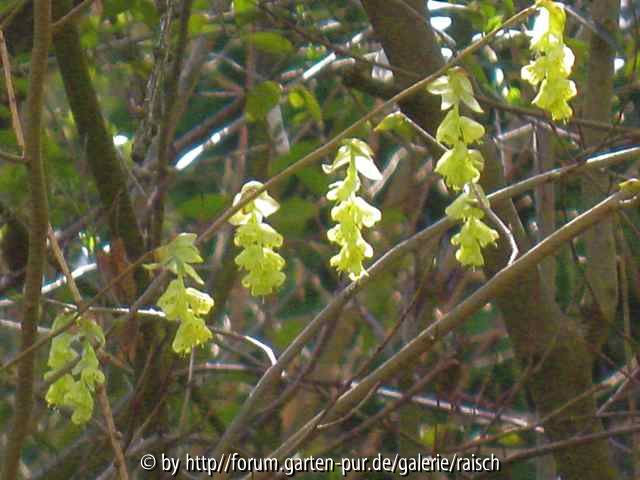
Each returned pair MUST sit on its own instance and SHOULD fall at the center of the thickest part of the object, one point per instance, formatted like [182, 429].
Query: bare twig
[13, 104]
[167, 124]
[39, 220]
[103, 401]
[504, 230]
[72, 16]
[561, 445]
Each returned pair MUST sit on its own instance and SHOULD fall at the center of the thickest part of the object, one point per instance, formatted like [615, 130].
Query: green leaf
[199, 24]
[146, 11]
[313, 179]
[244, 11]
[113, 7]
[301, 97]
[261, 99]
[294, 215]
[271, 42]
[202, 206]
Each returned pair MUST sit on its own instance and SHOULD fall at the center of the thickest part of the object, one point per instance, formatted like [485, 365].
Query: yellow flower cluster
[552, 66]
[474, 235]
[75, 390]
[259, 241]
[352, 212]
[179, 303]
[460, 166]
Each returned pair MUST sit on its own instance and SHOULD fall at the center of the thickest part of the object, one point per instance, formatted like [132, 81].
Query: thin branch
[486, 208]
[167, 124]
[428, 337]
[17, 326]
[103, 401]
[72, 16]
[562, 445]
[39, 221]
[11, 158]
[13, 104]
[399, 399]
[7, 16]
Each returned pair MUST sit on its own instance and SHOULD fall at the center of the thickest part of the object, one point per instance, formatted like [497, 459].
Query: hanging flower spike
[458, 165]
[179, 302]
[474, 234]
[263, 205]
[191, 333]
[186, 305]
[352, 212]
[259, 241]
[549, 28]
[553, 63]
[454, 87]
[473, 237]
[75, 390]
[461, 166]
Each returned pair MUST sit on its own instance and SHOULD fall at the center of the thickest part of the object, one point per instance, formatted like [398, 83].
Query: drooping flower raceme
[182, 303]
[259, 241]
[552, 66]
[75, 390]
[460, 166]
[475, 234]
[351, 211]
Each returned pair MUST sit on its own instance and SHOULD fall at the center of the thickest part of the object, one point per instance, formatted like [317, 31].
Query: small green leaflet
[261, 99]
